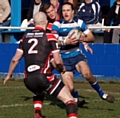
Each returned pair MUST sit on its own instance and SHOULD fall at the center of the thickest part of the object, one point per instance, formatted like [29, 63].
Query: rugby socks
[71, 109]
[38, 101]
[75, 94]
[97, 87]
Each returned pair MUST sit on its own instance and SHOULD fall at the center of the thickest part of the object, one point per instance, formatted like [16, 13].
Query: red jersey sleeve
[53, 42]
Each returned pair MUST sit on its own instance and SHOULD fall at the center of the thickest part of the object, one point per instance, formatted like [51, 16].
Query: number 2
[31, 50]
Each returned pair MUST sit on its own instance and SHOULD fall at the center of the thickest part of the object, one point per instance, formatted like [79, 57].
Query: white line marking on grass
[4, 87]
[46, 103]
[22, 105]
[15, 105]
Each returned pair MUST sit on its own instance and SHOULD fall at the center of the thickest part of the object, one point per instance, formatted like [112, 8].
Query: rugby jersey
[37, 47]
[62, 28]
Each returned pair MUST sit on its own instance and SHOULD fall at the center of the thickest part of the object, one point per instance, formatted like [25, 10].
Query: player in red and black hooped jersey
[36, 47]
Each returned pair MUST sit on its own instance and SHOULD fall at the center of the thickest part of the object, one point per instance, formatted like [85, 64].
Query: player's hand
[31, 21]
[60, 68]
[71, 41]
[82, 38]
[108, 29]
[64, 69]
[6, 79]
[88, 48]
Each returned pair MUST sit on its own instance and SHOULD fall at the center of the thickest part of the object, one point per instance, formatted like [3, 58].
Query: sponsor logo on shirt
[32, 68]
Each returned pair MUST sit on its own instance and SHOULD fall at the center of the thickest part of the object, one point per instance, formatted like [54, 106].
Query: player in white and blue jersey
[71, 53]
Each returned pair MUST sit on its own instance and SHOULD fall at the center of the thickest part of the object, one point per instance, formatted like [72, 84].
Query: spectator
[113, 16]
[90, 12]
[52, 14]
[75, 4]
[116, 36]
[39, 76]
[56, 5]
[36, 6]
[4, 15]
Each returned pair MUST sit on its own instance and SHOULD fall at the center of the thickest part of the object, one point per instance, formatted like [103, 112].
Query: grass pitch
[16, 102]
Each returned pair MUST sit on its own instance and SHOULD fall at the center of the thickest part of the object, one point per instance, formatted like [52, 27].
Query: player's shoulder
[56, 25]
[79, 21]
[51, 37]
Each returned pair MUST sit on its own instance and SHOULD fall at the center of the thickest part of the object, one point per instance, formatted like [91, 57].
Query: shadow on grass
[55, 101]
[26, 98]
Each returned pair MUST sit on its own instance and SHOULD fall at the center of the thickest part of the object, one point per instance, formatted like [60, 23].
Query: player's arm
[14, 62]
[85, 39]
[65, 40]
[62, 40]
[87, 35]
[57, 62]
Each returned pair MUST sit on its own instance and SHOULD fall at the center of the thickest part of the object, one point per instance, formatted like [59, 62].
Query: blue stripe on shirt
[70, 54]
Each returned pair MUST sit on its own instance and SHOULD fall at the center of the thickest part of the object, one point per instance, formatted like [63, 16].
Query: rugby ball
[74, 33]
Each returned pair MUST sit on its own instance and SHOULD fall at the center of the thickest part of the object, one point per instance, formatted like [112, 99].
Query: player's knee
[69, 83]
[38, 97]
[71, 109]
[89, 77]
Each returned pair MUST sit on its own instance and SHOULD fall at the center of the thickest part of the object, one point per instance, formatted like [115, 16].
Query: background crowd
[90, 11]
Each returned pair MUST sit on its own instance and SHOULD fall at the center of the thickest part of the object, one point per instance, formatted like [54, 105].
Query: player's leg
[67, 79]
[60, 91]
[38, 102]
[84, 69]
[71, 107]
[32, 84]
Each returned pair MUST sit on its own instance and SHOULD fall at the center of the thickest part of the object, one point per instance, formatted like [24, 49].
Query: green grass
[16, 102]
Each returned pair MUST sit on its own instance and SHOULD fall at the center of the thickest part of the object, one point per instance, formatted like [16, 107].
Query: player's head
[68, 11]
[40, 19]
[50, 11]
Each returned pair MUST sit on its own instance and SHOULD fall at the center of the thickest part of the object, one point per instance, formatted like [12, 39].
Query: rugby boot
[108, 98]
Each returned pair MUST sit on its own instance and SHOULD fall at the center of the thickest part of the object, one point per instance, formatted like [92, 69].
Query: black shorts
[42, 82]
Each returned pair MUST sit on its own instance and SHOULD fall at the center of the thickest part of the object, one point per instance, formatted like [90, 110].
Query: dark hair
[48, 5]
[68, 3]
[75, 3]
